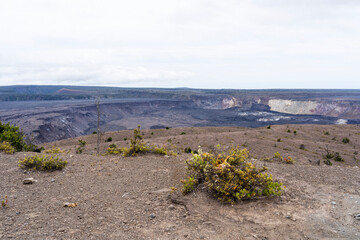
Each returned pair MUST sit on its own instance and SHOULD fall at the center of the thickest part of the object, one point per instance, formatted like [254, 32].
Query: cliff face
[342, 109]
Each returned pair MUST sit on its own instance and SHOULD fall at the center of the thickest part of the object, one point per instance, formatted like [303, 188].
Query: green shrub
[53, 150]
[81, 147]
[43, 163]
[167, 128]
[337, 157]
[278, 140]
[112, 146]
[268, 127]
[137, 145]
[187, 150]
[345, 140]
[288, 130]
[109, 139]
[94, 132]
[6, 148]
[15, 137]
[277, 155]
[326, 133]
[182, 133]
[295, 132]
[230, 177]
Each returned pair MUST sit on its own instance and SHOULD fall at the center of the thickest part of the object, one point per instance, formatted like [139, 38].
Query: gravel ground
[130, 198]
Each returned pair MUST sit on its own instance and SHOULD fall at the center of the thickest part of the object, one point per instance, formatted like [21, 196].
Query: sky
[239, 44]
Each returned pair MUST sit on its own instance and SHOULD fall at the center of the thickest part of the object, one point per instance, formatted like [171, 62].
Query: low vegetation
[6, 147]
[137, 146]
[43, 163]
[229, 176]
[81, 146]
[15, 137]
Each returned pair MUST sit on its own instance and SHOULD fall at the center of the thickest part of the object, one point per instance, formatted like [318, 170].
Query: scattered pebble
[29, 181]
[172, 207]
[152, 216]
[333, 203]
[52, 180]
[357, 217]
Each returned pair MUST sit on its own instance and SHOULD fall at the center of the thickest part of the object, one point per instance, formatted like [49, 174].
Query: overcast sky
[181, 43]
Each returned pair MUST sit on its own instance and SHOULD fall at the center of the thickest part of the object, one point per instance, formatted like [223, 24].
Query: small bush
[337, 157]
[288, 160]
[182, 133]
[43, 163]
[345, 140]
[326, 133]
[112, 146]
[302, 147]
[53, 150]
[7, 148]
[167, 128]
[94, 132]
[230, 177]
[295, 132]
[152, 133]
[277, 155]
[137, 145]
[125, 139]
[268, 127]
[288, 131]
[109, 139]
[15, 137]
[187, 150]
[278, 140]
[81, 147]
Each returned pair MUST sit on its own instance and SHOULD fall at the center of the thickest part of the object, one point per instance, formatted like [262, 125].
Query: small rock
[70, 205]
[71, 156]
[357, 217]
[288, 215]
[52, 180]
[333, 203]
[152, 216]
[29, 181]
[172, 207]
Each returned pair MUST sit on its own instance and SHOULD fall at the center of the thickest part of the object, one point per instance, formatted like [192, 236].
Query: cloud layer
[160, 43]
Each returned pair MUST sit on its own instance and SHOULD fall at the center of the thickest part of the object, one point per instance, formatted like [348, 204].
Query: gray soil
[130, 198]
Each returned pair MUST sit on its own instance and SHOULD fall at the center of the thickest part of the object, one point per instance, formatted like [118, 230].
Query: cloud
[203, 43]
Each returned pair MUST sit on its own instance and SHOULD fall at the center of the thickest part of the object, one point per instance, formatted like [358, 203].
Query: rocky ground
[130, 198]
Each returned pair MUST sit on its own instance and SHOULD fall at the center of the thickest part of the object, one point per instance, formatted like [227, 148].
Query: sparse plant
[112, 146]
[182, 133]
[81, 147]
[326, 133]
[229, 176]
[337, 157]
[137, 145]
[278, 140]
[43, 163]
[53, 150]
[125, 139]
[109, 139]
[167, 128]
[288, 160]
[302, 147]
[4, 202]
[94, 132]
[6, 147]
[277, 155]
[152, 133]
[288, 131]
[268, 127]
[295, 132]
[346, 140]
[187, 150]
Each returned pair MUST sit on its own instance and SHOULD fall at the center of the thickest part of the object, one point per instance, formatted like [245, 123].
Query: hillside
[130, 198]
